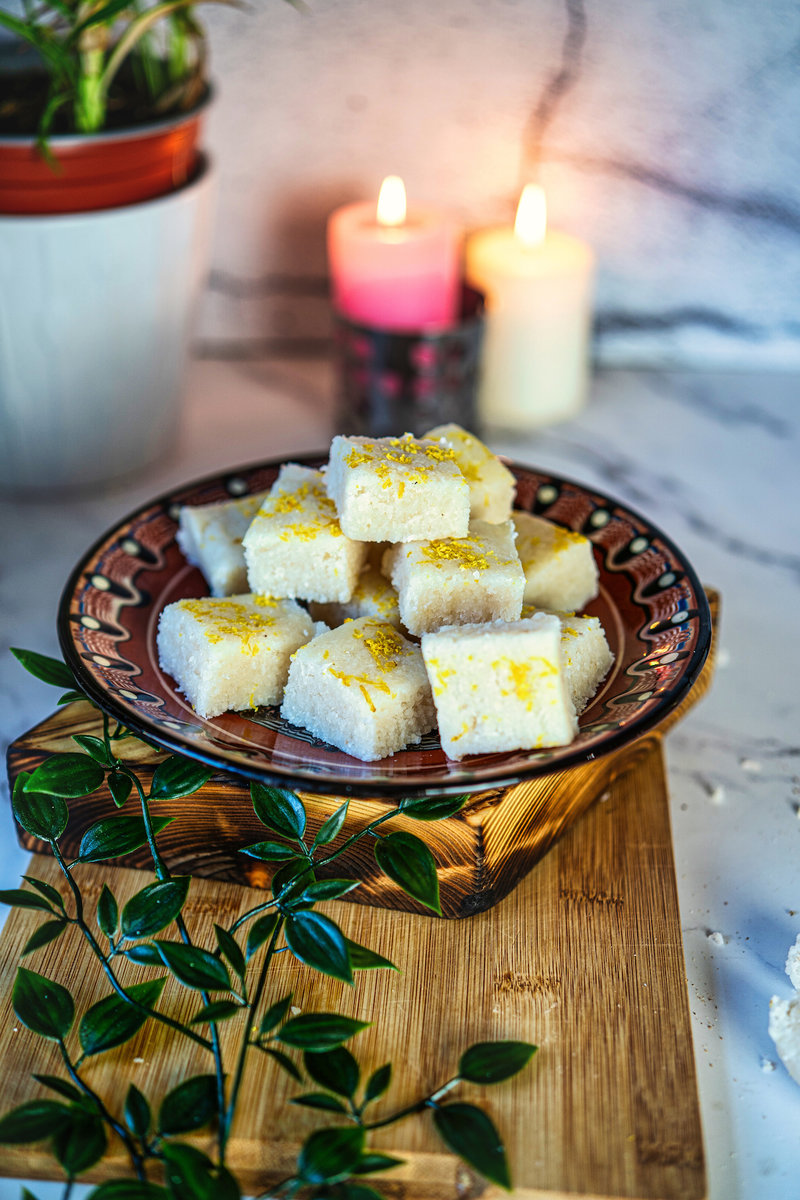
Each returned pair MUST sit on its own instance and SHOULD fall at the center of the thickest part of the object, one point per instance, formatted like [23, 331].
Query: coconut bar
[491, 484]
[210, 535]
[361, 687]
[457, 581]
[295, 546]
[232, 653]
[500, 686]
[586, 653]
[373, 596]
[560, 570]
[397, 489]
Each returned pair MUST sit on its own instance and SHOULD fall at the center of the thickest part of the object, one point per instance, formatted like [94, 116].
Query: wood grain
[483, 851]
[584, 958]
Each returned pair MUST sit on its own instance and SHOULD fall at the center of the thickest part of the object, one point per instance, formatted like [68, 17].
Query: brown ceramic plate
[651, 605]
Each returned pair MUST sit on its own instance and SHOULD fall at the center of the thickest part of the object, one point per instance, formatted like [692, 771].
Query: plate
[650, 603]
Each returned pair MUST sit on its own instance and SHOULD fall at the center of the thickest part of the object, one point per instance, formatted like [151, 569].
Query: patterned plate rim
[540, 763]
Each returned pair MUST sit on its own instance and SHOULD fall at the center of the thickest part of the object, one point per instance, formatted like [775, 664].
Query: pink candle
[391, 269]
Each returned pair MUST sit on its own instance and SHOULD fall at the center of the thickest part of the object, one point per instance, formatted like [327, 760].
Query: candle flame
[392, 201]
[531, 223]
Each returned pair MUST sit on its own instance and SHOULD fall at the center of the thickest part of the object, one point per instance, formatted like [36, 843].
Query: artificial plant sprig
[232, 981]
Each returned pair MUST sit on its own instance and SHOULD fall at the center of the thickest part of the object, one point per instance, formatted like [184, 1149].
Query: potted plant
[105, 205]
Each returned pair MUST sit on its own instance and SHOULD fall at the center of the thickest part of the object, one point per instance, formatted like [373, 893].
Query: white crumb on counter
[751, 765]
[768, 1065]
[717, 938]
[793, 963]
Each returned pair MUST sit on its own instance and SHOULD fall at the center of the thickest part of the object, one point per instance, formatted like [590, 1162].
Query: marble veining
[710, 457]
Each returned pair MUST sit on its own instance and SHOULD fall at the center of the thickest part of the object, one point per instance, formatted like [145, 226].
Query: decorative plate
[651, 605]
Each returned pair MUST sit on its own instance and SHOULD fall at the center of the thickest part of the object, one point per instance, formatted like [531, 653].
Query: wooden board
[483, 851]
[584, 958]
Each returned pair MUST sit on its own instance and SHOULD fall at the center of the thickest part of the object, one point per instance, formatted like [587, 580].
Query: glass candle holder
[391, 382]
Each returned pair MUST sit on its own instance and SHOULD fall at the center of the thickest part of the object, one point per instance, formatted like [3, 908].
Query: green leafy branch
[231, 979]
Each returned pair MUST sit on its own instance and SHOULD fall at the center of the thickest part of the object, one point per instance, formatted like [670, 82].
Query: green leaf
[271, 852]
[330, 828]
[377, 1083]
[43, 936]
[194, 967]
[319, 943]
[137, 1112]
[330, 1154]
[62, 1087]
[230, 949]
[70, 698]
[433, 808]
[275, 1014]
[115, 836]
[329, 889]
[284, 1061]
[19, 898]
[377, 1162]
[33, 1122]
[128, 1189]
[188, 1106]
[492, 1062]
[177, 777]
[51, 893]
[49, 670]
[112, 1020]
[120, 787]
[68, 775]
[335, 1070]
[280, 810]
[410, 864]
[319, 1031]
[107, 912]
[285, 882]
[40, 815]
[218, 1010]
[260, 931]
[95, 747]
[191, 1175]
[364, 959]
[81, 1144]
[470, 1134]
[154, 907]
[320, 1100]
[42, 1005]
[145, 954]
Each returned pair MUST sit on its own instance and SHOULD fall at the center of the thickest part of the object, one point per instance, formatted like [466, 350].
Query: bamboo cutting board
[584, 958]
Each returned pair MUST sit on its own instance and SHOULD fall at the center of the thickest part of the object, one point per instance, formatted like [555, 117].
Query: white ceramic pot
[95, 319]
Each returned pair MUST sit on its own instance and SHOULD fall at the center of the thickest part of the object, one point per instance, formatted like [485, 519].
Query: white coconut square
[295, 547]
[500, 686]
[361, 687]
[586, 652]
[491, 485]
[210, 535]
[457, 581]
[560, 571]
[233, 653]
[397, 489]
[373, 596]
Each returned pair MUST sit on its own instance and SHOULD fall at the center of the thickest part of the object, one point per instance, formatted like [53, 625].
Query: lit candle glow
[392, 268]
[538, 284]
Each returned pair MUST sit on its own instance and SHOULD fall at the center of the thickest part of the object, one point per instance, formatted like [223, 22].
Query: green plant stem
[162, 874]
[427, 1102]
[122, 1133]
[80, 921]
[227, 1121]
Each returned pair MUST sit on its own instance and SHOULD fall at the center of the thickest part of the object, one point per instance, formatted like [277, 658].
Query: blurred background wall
[666, 132]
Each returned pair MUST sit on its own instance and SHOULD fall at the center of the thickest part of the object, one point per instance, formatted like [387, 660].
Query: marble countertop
[712, 460]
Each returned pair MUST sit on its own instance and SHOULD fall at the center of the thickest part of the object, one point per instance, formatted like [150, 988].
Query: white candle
[538, 285]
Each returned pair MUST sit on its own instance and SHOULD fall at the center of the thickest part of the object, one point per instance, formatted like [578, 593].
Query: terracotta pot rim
[67, 141]
[202, 172]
